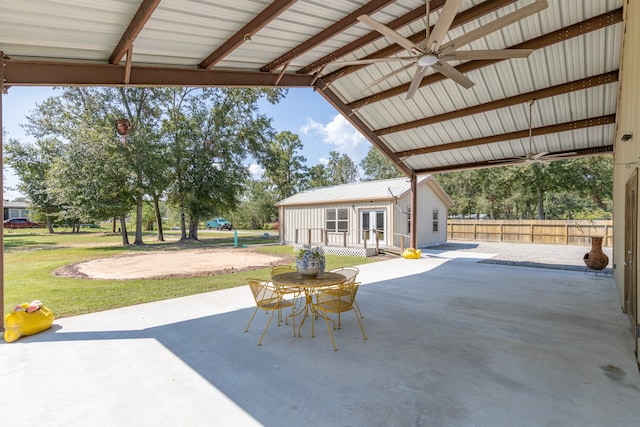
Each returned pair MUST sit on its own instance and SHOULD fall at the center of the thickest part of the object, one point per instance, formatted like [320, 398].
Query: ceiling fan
[532, 157]
[432, 53]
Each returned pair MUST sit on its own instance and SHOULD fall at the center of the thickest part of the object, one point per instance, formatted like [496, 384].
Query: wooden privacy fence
[531, 231]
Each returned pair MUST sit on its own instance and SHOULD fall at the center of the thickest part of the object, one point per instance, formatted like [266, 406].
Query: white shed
[355, 215]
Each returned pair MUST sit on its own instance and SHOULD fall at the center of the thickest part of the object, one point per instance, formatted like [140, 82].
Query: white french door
[370, 222]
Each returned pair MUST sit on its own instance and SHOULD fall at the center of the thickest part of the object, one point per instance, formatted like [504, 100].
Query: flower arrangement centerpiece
[310, 261]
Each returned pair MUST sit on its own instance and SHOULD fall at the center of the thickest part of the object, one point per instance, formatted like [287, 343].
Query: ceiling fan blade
[496, 25]
[462, 55]
[383, 78]
[560, 155]
[375, 60]
[455, 75]
[415, 83]
[441, 28]
[392, 34]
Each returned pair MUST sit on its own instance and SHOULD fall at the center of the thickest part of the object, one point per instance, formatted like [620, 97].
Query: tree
[32, 163]
[376, 166]
[342, 170]
[318, 176]
[284, 167]
[210, 132]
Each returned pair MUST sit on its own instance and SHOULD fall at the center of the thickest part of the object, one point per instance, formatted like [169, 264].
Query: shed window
[435, 220]
[337, 219]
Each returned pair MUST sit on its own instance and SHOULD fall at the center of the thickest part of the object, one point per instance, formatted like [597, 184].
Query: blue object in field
[235, 238]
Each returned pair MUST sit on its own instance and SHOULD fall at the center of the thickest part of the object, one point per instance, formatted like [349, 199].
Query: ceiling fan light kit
[433, 53]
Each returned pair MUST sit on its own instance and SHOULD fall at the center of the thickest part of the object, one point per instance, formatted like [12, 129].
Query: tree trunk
[540, 204]
[183, 224]
[156, 207]
[114, 225]
[123, 227]
[193, 229]
[138, 239]
[50, 225]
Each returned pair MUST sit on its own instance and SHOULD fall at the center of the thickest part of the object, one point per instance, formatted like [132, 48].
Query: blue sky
[304, 112]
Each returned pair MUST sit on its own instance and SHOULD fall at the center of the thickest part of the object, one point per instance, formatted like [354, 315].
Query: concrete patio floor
[452, 342]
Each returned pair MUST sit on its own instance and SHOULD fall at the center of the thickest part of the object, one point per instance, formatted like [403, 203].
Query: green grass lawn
[31, 257]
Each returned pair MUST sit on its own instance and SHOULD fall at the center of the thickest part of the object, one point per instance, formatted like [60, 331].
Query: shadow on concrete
[461, 343]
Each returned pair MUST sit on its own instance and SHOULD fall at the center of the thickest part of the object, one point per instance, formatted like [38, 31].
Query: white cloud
[256, 170]
[340, 133]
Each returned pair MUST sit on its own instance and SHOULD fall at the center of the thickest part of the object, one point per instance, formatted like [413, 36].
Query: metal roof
[572, 73]
[385, 189]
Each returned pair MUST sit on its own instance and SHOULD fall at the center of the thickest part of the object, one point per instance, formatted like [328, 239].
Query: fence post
[295, 239]
[566, 234]
[475, 231]
[501, 232]
[606, 234]
[309, 236]
[402, 242]
[377, 243]
[531, 233]
[344, 239]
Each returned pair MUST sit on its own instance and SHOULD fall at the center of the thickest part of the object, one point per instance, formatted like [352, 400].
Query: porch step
[391, 251]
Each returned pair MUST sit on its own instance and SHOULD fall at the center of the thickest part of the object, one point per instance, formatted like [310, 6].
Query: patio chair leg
[330, 333]
[266, 327]
[361, 327]
[251, 320]
[355, 305]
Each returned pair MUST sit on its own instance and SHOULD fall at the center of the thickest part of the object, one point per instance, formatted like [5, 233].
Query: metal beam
[561, 127]
[41, 73]
[136, 25]
[558, 36]
[573, 86]
[329, 32]
[583, 152]
[461, 19]
[334, 100]
[270, 13]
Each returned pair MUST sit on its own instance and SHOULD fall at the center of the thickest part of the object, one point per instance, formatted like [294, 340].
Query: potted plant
[310, 261]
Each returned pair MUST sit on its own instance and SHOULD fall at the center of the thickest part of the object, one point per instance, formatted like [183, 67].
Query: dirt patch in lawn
[184, 263]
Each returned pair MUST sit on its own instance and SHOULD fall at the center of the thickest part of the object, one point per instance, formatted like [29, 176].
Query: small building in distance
[15, 209]
[357, 214]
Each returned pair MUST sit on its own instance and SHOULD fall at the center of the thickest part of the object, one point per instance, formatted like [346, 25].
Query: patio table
[310, 286]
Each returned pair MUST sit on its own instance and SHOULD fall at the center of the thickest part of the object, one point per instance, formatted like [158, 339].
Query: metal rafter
[545, 130]
[461, 19]
[601, 79]
[270, 13]
[583, 152]
[346, 22]
[557, 36]
[135, 26]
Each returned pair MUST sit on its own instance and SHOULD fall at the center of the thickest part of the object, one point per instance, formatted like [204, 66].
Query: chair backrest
[340, 301]
[279, 269]
[264, 292]
[349, 272]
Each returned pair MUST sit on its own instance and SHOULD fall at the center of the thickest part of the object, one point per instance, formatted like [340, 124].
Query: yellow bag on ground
[27, 319]
[411, 253]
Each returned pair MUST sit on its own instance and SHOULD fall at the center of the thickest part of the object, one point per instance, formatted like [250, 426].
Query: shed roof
[385, 189]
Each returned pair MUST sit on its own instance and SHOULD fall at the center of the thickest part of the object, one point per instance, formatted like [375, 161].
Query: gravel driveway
[561, 257]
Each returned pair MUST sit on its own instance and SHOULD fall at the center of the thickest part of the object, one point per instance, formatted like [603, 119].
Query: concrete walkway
[452, 342]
